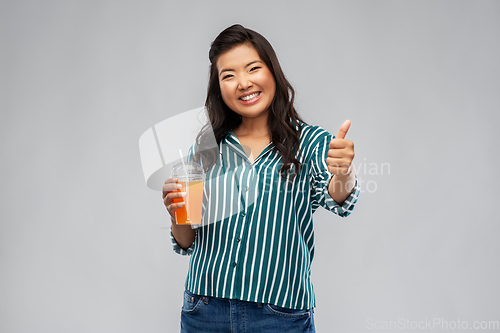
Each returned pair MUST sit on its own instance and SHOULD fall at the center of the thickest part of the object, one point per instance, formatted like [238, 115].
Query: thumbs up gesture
[340, 152]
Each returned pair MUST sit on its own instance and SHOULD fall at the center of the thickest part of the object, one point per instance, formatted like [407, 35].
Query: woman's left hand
[340, 153]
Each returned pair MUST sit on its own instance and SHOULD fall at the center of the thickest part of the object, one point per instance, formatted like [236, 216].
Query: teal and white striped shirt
[256, 242]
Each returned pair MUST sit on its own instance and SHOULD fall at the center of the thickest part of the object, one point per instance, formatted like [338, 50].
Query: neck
[256, 127]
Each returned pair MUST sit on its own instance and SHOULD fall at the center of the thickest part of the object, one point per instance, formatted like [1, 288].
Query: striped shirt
[256, 241]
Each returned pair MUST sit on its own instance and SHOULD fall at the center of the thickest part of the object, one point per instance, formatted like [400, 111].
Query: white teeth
[249, 97]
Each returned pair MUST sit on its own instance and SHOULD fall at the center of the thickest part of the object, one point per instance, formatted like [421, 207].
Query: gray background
[84, 244]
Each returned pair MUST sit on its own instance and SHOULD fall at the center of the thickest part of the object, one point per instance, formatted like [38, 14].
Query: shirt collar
[232, 140]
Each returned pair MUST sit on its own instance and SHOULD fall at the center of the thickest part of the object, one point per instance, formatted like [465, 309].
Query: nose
[244, 83]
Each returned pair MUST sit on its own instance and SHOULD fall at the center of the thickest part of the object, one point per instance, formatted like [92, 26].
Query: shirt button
[245, 188]
[238, 239]
[234, 264]
[243, 213]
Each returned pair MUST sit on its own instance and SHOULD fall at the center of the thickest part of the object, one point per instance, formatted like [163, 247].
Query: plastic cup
[191, 176]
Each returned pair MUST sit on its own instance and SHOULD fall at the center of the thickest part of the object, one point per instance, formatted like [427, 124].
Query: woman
[250, 261]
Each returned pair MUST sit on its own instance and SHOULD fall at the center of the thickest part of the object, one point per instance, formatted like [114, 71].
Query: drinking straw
[187, 188]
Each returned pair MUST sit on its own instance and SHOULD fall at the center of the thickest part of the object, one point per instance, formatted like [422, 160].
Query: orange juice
[191, 212]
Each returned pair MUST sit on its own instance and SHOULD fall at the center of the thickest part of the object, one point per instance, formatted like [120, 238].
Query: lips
[250, 97]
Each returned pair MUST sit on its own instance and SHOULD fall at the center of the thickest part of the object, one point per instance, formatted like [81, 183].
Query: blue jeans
[210, 314]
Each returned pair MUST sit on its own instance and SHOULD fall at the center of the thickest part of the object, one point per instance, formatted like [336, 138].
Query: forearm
[340, 187]
[184, 235]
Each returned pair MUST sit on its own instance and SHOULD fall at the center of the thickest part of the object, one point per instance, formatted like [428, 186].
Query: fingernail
[182, 203]
[183, 194]
[179, 186]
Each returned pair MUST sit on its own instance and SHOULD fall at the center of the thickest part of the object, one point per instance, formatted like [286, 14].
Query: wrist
[342, 183]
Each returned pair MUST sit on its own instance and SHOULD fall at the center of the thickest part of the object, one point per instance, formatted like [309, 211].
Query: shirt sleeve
[179, 250]
[191, 152]
[320, 179]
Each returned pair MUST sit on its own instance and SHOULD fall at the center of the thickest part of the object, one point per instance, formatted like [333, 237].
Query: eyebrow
[232, 70]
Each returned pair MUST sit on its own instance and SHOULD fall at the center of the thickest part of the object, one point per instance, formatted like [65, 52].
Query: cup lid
[188, 168]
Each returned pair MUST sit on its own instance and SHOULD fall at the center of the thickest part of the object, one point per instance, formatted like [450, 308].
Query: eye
[226, 76]
[254, 68]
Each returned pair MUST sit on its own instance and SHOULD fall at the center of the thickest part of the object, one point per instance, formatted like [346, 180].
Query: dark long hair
[283, 120]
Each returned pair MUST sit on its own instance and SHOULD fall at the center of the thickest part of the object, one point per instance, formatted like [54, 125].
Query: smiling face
[247, 85]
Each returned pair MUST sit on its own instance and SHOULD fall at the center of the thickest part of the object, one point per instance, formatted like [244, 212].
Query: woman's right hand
[170, 193]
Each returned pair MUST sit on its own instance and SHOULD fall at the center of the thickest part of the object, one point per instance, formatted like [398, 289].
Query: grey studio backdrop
[84, 244]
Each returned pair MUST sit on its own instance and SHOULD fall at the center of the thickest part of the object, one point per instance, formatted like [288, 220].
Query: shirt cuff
[179, 250]
[348, 204]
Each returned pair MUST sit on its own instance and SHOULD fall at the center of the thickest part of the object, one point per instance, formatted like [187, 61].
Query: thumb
[343, 129]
